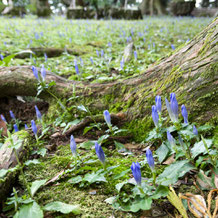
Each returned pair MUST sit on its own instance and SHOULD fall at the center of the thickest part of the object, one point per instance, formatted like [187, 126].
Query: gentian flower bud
[150, 159]
[46, 57]
[35, 72]
[97, 52]
[2, 57]
[77, 69]
[135, 55]
[184, 113]
[91, 59]
[155, 115]
[12, 115]
[174, 106]
[158, 103]
[26, 127]
[34, 128]
[38, 114]
[102, 53]
[173, 46]
[100, 153]
[43, 72]
[136, 172]
[73, 145]
[171, 139]
[16, 128]
[195, 131]
[107, 117]
[3, 118]
[169, 109]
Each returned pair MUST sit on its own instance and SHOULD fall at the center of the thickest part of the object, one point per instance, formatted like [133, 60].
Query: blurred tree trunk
[43, 8]
[73, 4]
[152, 7]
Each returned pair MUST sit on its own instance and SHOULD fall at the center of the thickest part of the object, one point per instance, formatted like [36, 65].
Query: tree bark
[8, 160]
[190, 72]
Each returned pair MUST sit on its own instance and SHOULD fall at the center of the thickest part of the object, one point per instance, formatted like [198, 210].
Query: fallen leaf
[196, 205]
[3, 125]
[216, 181]
[169, 160]
[55, 177]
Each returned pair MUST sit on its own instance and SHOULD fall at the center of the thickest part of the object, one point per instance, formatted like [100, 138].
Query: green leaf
[87, 144]
[72, 123]
[29, 162]
[199, 147]
[110, 200]
[162, 152]
[36, 185]
[118, 145]
[120, 175]
[62, 207]
[32, 210]
[3, 173]
[75, 180]
[94, 177]
[102, 139]
[176, 170]
[42, 151]
[88, 128]
[161, 191]
[120, 185]
[82, 108]
[138, 204]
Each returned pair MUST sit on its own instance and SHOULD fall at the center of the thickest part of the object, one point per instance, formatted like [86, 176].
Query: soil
[24, 111]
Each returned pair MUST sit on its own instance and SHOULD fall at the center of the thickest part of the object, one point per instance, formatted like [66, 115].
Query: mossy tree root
[190, 72]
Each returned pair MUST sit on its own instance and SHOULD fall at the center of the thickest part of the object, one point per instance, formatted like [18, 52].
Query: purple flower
[155, 115]
[72, 145]
[135, 55]
[38, 114]
[34, 128]
[97, 52]
[158, 103]
[46, 57]
[171, 139]
[16, 128]
[174, 106]
[77, 69]
[43, 72]
[150, 159]
[102, 53]
[195, 131]
[12, 115]
[107, 117]
[3, 118]
[81, 61]
[173, 47]
[26, 127]
[35, 72]
[184, 113]
[2, 57]
[100, 152]
[109, 44]
[136, 172]
[91, 59]
[122, 63]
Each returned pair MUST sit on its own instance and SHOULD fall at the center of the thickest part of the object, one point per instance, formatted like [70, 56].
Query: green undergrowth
[92, 205]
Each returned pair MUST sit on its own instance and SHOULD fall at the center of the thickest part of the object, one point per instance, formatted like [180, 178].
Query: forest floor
[94, 52]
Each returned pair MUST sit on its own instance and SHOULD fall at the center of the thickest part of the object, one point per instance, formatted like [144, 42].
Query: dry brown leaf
[169, 160]
[216, 181]
[55, 177]
[3, 125]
